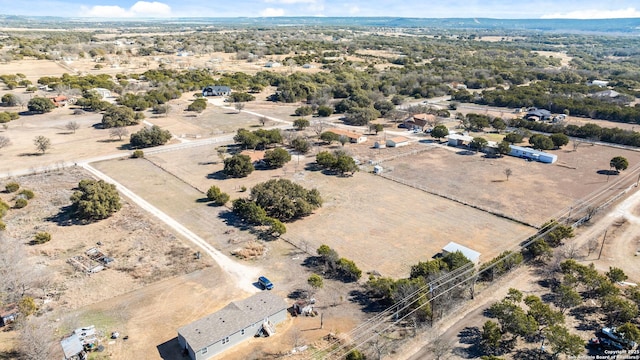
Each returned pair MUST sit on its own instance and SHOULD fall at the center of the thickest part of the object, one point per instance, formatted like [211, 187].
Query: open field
[373, 221]
[534, 193]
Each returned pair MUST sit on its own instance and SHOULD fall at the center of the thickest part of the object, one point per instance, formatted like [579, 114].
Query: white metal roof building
[470, 254]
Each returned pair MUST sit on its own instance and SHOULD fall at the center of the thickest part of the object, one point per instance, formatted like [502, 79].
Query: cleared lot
[379, 224]
[534, 193]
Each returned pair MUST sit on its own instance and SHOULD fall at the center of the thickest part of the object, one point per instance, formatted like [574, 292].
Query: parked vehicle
[265, 283]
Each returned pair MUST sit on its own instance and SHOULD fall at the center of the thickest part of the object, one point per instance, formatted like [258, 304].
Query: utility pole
[602, 246]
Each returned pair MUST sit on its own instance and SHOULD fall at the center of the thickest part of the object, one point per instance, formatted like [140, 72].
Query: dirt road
[243, 275]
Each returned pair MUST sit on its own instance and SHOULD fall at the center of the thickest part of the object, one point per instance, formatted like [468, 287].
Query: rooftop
[231, 319]
[472, 255]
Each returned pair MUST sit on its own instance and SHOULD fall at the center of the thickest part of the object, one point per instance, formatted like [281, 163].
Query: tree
[301, 145]
[4, 142]
[345, 163]
[376, 127]
[198, 105]
[567, 298]
[285, 200]
[27, 306]
[508, 172]
[40, 105]
[498, 124]
[72, 126]
[562, 342]
[239, 106]
[118, 116]
[629, 332]
[513, 138]
[478, 143]
[304, 111]
[343, 140]
[504, 148]
[355, 354]
[263, 120]
[276, 158]
[616, 274]
[491, 337]
[148, 137]
[329, 137]
[541, 142]
[216, 195]
[42, 143]
[325, 160]
[276, 227]
[542, 313]
[9, 100]
[95, 200]
[618, 310]
[559, 140]
[315, 281]
[301, 123]
[619, 163]
[325, 111]
[439, 131]
[238, 166]
[118, 132]
[249, 211]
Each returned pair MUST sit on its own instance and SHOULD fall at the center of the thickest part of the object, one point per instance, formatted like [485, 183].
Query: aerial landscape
[311, 179]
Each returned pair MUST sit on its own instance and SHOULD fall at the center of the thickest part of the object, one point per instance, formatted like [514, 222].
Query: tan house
[420, 121]
[353, 136]
[397, 141]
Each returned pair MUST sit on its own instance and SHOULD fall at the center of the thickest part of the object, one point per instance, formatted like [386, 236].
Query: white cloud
[139, 9]
[291, 1]
[270, 12]
[595, 14]
[354, 10]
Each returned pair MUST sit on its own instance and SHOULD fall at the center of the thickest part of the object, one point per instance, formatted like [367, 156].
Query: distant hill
[601, 26]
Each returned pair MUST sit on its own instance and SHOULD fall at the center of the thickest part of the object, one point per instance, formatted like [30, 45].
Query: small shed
[272, 64]
[458, 139]
[104, 93]
[397, 141]
[377, 169]
[379, 145]
[470, 254]
[8, 314]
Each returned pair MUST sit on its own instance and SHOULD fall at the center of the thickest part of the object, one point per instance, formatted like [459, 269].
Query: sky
[501, 9]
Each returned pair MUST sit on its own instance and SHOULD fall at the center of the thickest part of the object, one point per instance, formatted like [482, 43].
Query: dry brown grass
[250, 251]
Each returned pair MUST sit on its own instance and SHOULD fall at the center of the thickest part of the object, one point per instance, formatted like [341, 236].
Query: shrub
[95, 200]
[149, 137]
[3, 226]
[41, 238]
[12, 187]
[27, 194]
[3, 208]
[218, 197]
[138, 154]
[20, 203]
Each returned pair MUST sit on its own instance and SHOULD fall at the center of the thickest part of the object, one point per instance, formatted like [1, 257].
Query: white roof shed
[470, 254]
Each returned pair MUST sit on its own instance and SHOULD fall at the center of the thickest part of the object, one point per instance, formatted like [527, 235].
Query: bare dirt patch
[481, 181]
[144, 251]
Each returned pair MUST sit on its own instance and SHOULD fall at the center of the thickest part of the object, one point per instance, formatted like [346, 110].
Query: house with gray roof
[236, 322]
[539, 114]
[216, 90]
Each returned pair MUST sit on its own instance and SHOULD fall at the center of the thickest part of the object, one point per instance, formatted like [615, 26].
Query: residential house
[529, 153]
[236, 322]
[60, 100]
[397, 141]
[216, 90]
[470, 254]
[538, 114]
[9, 314]
[256, 156]
[351, 135]
[420, 122]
